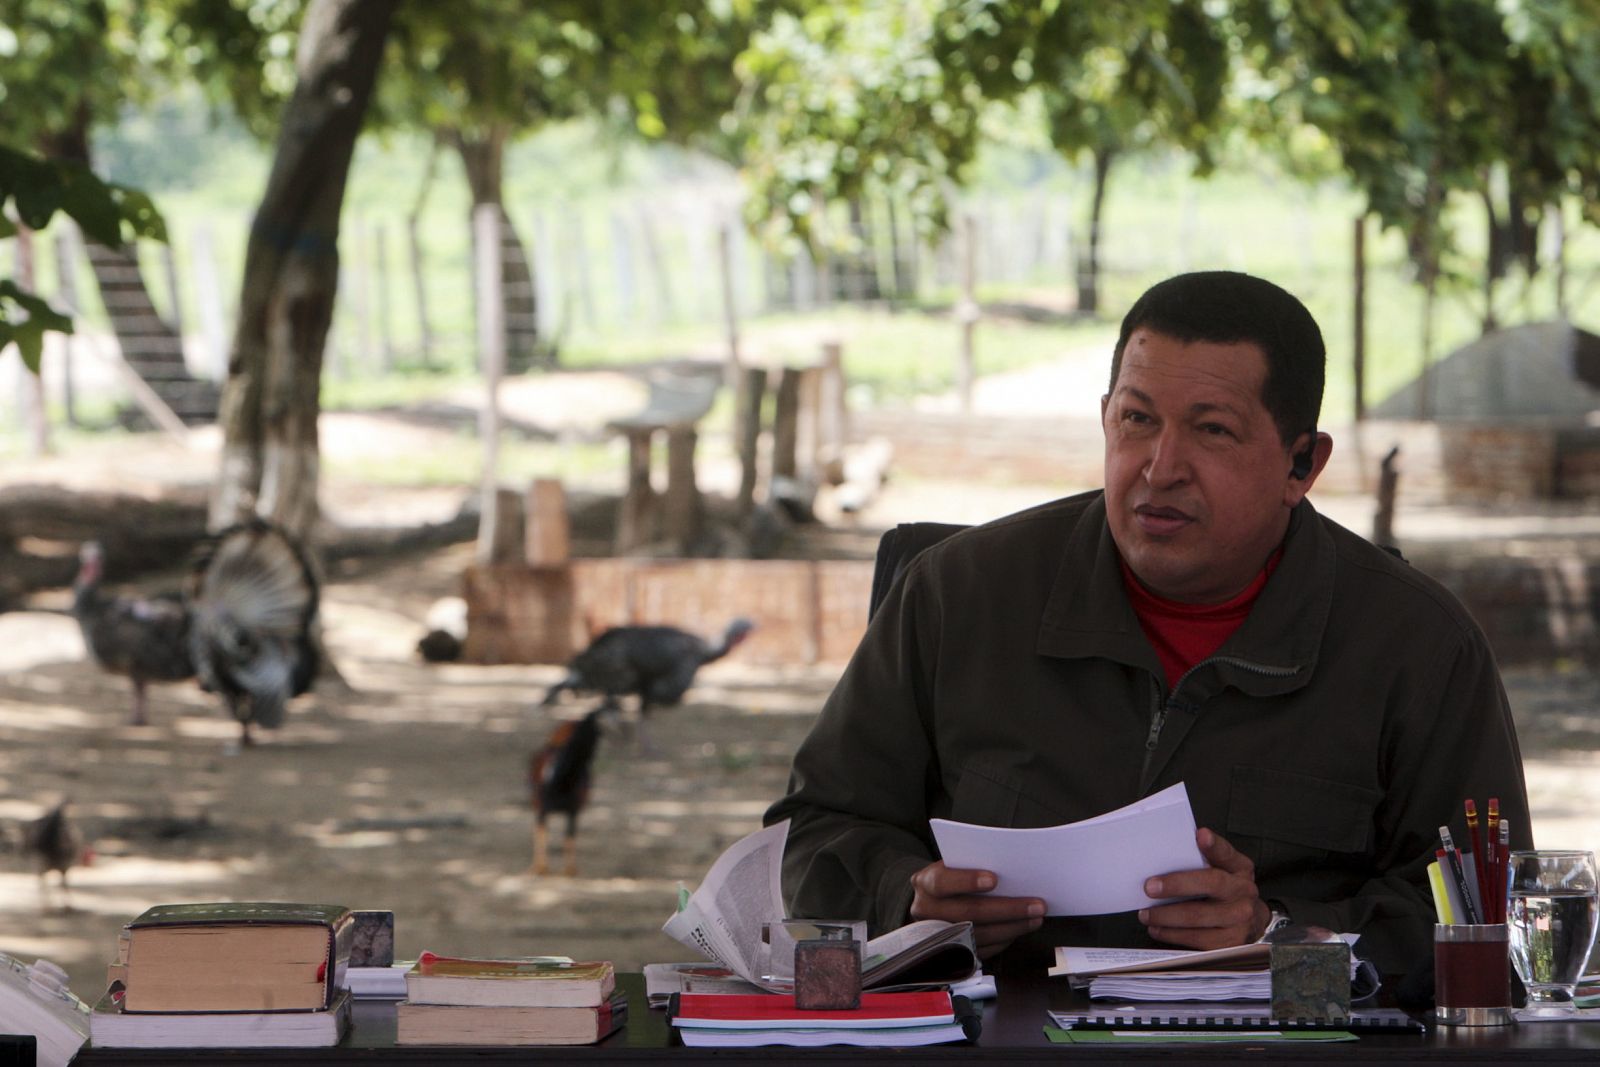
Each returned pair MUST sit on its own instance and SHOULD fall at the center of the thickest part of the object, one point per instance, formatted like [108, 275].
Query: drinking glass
[1551, 908]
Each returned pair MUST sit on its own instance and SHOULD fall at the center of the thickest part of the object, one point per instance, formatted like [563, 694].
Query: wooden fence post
[492, 357]
[208, 301]
[680, 506]
[784, 417]
[67, 294]
[548, 525]
[747, 418]
[636, 515]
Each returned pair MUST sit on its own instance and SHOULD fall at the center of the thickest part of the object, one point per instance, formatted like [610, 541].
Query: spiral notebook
[1231, 1017]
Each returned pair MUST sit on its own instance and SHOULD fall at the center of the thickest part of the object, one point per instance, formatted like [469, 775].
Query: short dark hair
[1223, 307]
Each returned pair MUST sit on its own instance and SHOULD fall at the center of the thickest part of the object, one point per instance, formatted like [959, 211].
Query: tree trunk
[291, 274]
[1089, 268]
[483, 159]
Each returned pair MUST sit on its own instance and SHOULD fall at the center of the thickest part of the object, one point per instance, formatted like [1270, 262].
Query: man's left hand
[1227, 910]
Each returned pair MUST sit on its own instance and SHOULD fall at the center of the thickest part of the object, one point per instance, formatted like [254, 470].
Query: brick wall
[805, 612]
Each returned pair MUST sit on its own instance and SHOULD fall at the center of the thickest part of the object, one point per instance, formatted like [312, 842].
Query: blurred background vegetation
[843, 147]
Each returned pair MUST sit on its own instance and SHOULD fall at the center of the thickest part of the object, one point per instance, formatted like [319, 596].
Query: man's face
[1198, 488]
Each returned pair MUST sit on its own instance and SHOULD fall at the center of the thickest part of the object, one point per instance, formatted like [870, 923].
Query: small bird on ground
[656, 663]
[143, 638]
[559, 775]
[54, 841]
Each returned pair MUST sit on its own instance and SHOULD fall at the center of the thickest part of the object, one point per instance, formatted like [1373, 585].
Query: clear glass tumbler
[1551, 910]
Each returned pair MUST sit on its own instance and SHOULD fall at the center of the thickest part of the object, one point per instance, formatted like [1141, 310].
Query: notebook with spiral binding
[1232, 1017]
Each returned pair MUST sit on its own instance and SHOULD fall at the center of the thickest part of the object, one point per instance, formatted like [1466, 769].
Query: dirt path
[407, 794]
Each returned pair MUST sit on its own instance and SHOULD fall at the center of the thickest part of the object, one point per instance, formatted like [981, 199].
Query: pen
[1477, 850]
[1501, 855]
[1460, 876]
[1491, 837]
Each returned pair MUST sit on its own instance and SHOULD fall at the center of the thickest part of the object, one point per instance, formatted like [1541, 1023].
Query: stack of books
[889, 1020]
[539, 1001]
[228, 975]
[1242, 972]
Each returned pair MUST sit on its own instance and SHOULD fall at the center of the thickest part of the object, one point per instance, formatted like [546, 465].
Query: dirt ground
[409, 793]
[406, 793]
[408, 790]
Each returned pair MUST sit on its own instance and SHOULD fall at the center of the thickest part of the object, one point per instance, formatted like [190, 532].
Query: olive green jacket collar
[1274, 651]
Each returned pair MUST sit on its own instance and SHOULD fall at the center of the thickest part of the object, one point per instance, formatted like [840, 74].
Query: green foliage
[37, 189]
[24, 318]
[1436, 98]
[848, 100]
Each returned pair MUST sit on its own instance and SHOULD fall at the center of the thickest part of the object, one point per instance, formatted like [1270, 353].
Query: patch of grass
[458, 460]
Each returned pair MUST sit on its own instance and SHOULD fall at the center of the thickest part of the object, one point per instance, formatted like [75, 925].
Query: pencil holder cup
[1472, 974]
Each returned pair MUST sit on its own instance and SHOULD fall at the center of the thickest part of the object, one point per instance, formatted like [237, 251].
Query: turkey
[253, 609]
[55, 842]
[559, 776]
[656, 663]
[144, 638]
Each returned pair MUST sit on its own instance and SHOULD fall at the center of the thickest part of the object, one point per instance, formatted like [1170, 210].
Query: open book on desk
[742, 891]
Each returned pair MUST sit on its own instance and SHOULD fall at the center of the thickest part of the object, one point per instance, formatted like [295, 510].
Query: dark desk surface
[1013, 1033]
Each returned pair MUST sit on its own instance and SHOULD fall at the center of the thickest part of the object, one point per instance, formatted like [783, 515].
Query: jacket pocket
[987, 794]
[1296, 816]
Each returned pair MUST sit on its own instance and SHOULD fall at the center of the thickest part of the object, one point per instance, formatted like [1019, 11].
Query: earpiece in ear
[1302, 465]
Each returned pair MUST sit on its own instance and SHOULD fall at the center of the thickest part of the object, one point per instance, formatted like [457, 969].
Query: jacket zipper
[1158, 716]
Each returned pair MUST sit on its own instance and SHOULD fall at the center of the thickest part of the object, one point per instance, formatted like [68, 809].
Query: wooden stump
[518, 614]
[681, 506]
[636, 517]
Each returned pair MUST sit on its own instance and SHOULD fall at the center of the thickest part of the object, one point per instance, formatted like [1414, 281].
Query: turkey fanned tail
[254, 604]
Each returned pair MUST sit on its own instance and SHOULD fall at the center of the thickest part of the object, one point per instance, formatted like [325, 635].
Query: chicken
[253, 607]
[144, 638]
[55, 842]
[559, 775]
[656, 663]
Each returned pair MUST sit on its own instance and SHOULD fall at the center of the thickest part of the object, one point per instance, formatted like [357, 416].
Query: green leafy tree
[68, 66]
[34, 190]
[1441, 100]
[1115, 78]
[844, 102]
[479, 74]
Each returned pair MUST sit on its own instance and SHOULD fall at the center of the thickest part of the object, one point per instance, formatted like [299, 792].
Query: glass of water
[1551, 911]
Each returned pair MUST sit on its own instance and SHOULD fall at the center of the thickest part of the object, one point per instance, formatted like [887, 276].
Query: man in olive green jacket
[1327, 706]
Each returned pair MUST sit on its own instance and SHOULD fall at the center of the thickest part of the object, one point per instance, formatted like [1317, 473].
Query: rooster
[253, 607]
[144, 638]
[656, 663]
[54, 840]
[559, 775]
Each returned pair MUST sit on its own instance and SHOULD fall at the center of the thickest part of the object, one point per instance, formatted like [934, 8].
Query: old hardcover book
[464, 1024]
[233, 957]
[549, 982]
[110, 1026]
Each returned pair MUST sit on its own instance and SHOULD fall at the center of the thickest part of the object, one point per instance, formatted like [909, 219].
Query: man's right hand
[957, 894]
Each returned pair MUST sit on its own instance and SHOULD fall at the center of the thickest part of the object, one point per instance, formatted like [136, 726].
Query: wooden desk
[1012, 1034]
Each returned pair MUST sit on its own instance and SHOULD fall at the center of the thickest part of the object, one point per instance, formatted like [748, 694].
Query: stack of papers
[890, 1020]
[1093, 867]
[1239, 973]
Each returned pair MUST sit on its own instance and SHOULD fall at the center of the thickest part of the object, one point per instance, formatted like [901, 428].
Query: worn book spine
[151, 929]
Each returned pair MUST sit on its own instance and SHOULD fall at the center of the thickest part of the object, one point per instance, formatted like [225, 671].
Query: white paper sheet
[1094, 867]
